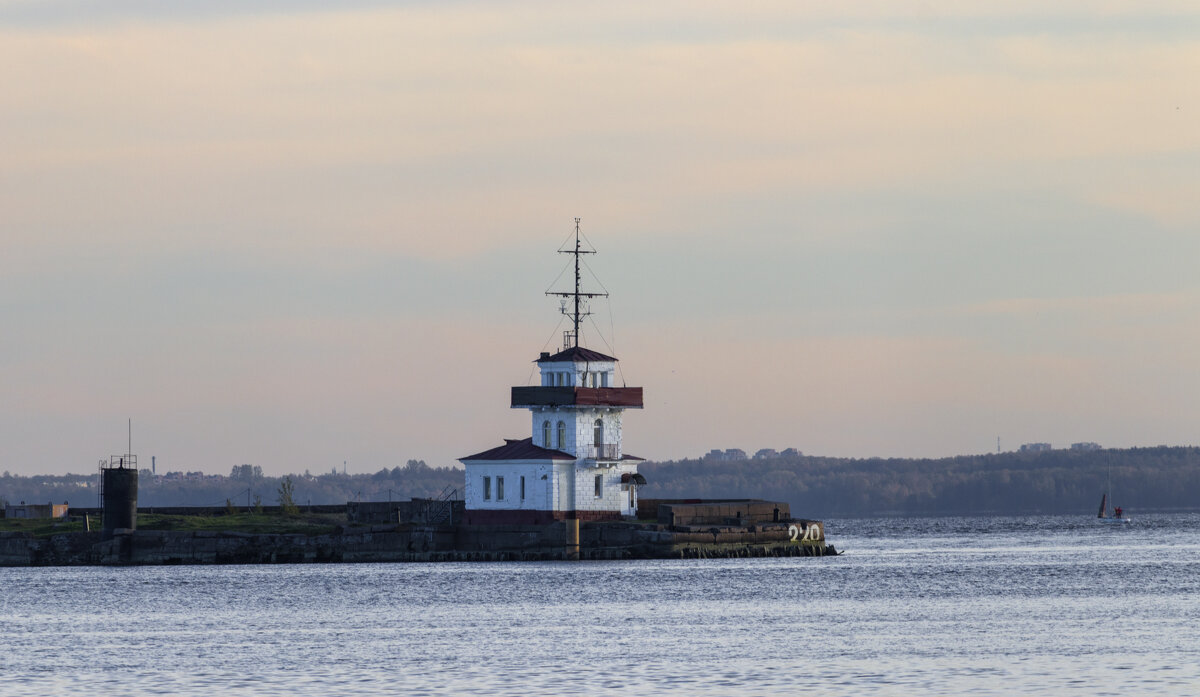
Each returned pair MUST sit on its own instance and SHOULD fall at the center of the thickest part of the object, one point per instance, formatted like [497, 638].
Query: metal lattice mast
[580, 309]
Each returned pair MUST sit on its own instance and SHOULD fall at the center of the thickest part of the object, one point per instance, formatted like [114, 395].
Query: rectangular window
[599, 485]
[604, 379]
[522, 488]
[499, 488]
[487, 488]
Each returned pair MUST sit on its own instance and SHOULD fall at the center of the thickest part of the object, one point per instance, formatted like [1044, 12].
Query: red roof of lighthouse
[576, 354]
[519, 450]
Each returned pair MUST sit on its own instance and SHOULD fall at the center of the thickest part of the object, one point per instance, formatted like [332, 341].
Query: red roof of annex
[525, 450]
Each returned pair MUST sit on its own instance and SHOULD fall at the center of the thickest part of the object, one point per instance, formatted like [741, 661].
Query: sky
[293, 236]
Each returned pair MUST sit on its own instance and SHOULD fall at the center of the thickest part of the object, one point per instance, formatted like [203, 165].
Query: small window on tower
[546, 434]
[487, 488]
[562, 435]
[604, 379]
[522, 488]
[499, 488]
[599, 485]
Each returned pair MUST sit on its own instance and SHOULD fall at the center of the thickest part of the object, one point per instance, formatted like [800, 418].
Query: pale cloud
[434, 130]
[867, 229]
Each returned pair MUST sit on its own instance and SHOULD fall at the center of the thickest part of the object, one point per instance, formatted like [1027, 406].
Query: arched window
[599, 435]
[546, 434]
[562, 435]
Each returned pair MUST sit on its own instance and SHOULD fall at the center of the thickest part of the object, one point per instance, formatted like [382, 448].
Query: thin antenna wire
[130, 451]
[570, 237]
[601, 335]
[585, 237]
[561, 319]
[612, 328]
[560, 275]
[594, 276]
[612, 349]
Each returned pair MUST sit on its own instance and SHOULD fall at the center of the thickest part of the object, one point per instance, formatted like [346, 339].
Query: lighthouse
[573, 465]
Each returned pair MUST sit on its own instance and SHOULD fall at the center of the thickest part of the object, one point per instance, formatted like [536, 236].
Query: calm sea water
[999, 606]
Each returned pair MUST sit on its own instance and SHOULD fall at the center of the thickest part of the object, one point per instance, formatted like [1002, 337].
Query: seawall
[413, 543]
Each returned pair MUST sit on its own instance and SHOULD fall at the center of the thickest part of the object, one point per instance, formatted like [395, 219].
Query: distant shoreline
[1159, 479]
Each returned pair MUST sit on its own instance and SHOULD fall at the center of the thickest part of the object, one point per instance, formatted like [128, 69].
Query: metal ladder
[440, 511]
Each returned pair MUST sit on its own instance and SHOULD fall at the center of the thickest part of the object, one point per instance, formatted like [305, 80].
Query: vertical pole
[572, 536]
[577, 279]
[571, 553]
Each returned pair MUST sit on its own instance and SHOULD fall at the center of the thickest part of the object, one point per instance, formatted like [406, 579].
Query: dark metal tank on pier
[118, 494]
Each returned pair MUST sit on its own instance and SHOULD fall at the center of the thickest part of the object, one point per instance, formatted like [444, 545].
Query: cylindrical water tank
[120, 499]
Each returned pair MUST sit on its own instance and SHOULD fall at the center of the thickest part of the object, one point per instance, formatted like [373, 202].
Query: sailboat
[1118, 515]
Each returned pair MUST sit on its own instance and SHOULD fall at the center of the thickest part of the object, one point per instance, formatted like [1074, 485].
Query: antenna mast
[571, 338]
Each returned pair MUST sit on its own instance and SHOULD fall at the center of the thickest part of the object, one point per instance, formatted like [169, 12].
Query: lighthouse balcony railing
[556, 396]
[128, 462]
[605, 452]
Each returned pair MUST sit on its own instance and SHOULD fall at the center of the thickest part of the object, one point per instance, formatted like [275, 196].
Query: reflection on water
[938, 605]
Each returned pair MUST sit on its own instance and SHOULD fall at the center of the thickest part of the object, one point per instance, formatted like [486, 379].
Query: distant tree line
[242, 487]
[1057, 481]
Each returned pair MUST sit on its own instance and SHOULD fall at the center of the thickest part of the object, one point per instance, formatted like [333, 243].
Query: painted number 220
[812, 532]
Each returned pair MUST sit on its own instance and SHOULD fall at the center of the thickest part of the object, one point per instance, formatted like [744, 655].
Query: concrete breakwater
[416, 543]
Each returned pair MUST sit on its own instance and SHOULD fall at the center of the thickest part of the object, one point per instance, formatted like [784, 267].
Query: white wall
[563, 479]
[554, 416]
[614, 495]
[576, 371]
[580, 423]
[539, 493]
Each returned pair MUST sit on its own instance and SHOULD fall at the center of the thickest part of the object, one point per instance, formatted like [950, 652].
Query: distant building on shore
[1036, 448]
[36, 510]
[736, 454]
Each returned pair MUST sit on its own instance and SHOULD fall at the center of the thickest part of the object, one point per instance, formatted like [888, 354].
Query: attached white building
[573, 464]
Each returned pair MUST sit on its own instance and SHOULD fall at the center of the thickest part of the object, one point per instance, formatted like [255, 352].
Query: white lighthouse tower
[573, 465]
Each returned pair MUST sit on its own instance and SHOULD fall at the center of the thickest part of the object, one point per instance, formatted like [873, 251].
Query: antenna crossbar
[579, 310]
